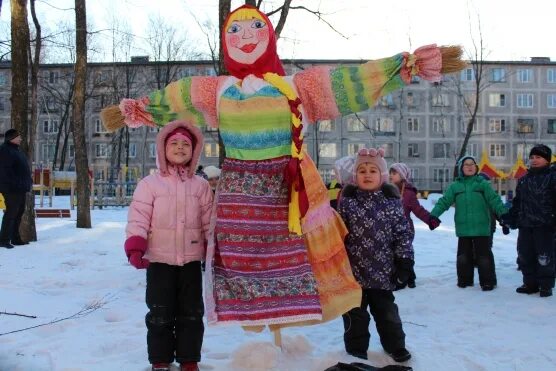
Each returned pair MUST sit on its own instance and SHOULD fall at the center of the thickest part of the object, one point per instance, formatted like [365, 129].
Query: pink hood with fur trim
[172, 215]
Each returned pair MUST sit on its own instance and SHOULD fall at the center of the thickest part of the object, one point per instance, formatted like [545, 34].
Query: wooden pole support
[277, 338]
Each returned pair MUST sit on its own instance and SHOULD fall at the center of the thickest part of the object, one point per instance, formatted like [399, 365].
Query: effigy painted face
[247, 40]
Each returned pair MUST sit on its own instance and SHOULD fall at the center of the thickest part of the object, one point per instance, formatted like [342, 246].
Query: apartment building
[422, 125]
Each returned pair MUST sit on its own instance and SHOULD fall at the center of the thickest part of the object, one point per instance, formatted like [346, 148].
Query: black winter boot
[6, 244]
[524, 289]
[400, 355]
[544, 293]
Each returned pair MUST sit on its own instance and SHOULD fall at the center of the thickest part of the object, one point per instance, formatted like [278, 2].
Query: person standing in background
[15, 182]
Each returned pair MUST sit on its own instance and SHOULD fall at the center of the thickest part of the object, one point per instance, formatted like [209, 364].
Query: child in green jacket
[474, 199]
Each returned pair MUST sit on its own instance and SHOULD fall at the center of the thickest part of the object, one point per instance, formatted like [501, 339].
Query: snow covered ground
[447, 328]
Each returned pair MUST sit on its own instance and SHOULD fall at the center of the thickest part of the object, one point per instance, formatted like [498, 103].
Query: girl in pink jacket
[167, 226]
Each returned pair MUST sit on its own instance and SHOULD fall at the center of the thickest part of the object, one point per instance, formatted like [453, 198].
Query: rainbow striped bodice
[254, 121]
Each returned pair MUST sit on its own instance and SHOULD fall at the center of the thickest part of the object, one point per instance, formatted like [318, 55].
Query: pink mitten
[135, 248]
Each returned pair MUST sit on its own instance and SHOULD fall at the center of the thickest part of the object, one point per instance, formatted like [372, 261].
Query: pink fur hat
[373, 156]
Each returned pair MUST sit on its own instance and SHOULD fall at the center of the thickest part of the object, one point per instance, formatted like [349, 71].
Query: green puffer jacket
[474, 199]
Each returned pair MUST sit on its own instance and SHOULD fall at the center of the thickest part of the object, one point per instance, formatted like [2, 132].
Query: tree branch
[86, 310]
[17, 314]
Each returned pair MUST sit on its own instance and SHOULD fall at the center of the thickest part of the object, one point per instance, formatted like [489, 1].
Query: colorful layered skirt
[259, 272]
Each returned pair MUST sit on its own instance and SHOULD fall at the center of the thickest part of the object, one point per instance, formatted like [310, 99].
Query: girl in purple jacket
[380, 253]
[167, 225]
[400, 177]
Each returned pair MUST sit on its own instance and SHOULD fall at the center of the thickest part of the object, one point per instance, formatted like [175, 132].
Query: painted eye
[258, 24]
[234, 28]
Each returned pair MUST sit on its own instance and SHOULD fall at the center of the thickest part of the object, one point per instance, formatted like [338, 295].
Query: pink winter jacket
[170, 214]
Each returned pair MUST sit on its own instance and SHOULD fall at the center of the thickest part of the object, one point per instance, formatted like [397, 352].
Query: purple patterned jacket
[411, 205]
[379, 235]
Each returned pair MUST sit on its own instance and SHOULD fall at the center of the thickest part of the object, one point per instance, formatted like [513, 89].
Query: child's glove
[434, 222]
[507, 221]
[403, 271]
[135, 248]
[505, 229]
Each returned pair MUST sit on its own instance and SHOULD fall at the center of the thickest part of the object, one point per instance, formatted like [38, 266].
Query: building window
[411, 99]
[440, 100]
[524, 75]
[99, 128]
[209, 128]
[132, 150]
[413, 124]
[353, 148]
[3, 79]
[525, 100]
[525, 126]
[496, 125]
[441, 150]
[551, 76]
[475, 128]
[212, 150]
[326, 126]
[388, 150]
[468, 74]
[71, 150]
[385, 101]
[414, 174]
[104, 76]
[384, 125]
[473, 149]
[412, 150]
[355, 123]
[53, 77]
[551, 126]
[523, 150]
[496, 100]
[497, 150]
[2, 107]
[551, 100]
[50, 126]
[186, 72]
[497, 75]
[101, 150]
[440, 125]
[441, 175]
[153, 129]
[48, 152]
[152, 150]
[327, 150]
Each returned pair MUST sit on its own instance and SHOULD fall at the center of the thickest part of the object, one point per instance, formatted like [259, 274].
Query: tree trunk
[224, 7]
[20, 100]
[81, 162]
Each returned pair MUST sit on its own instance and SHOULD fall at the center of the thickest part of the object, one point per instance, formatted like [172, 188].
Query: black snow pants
[535, 249]
[387, 320]
[15, 206]
[175, 319]
[478, 249]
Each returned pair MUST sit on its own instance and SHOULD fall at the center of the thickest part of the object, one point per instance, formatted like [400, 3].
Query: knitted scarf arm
[192, 98]
[328, 93]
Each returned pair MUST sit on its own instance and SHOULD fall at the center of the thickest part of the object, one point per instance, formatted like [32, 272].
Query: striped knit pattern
[173, 103]
[255, 126]
[358, 88]
[261, 271]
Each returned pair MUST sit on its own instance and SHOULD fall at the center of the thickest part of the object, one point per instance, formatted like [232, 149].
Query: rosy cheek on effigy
[233, 40]
[262, 34]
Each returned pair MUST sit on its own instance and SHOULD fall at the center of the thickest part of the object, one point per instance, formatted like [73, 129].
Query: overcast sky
[511, 29]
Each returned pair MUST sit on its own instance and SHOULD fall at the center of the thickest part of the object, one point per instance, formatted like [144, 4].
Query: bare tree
[20, 41]
[81, 161]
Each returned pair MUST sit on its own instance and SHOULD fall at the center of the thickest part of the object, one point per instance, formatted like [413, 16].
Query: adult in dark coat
[15, 182]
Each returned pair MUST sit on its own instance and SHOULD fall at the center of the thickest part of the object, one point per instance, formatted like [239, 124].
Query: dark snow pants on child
[480, 247]
[175, 319]
[535, 249]
[387, 320]
[15, 207]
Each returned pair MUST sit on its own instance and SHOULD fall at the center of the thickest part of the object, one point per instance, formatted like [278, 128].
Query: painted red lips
[248, 48]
